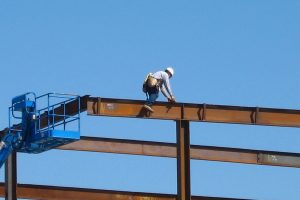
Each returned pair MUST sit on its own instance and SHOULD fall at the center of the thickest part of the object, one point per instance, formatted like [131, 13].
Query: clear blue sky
[223, 52]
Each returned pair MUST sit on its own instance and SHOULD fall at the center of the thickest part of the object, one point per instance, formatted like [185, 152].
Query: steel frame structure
[182, 114]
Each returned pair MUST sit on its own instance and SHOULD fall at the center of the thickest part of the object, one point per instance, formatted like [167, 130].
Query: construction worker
[159, 81]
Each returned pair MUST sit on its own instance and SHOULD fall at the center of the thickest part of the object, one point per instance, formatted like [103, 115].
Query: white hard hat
[171, 70]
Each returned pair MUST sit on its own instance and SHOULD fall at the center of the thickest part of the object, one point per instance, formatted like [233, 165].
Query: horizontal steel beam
[194, 112]
[182, 111]
[27, 191]
[198, 152]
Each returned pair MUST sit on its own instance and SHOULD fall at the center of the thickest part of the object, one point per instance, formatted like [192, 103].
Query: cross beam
[26, 191]
[197, 152]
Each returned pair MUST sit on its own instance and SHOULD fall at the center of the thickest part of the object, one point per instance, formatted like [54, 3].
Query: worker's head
[170, 71]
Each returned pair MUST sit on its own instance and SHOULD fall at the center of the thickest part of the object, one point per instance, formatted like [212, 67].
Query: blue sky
[224, 52]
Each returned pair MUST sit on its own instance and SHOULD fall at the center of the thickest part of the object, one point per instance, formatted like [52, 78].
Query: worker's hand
[171, 99]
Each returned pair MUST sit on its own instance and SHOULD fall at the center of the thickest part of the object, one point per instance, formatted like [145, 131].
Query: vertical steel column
[183, 160]
[11, 177]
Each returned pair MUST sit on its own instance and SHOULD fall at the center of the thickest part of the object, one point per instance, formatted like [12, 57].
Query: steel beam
[198, 152]
[194, 112]
[183, 160]
[27, 191]
[11, 177]
[183, 111]
[121, 146]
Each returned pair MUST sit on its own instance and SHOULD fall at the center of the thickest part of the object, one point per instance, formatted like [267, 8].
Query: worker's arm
[166, 85]
[166, 89]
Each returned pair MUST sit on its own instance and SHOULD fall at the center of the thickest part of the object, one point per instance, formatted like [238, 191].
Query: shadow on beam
[27, 191]
[223, 154]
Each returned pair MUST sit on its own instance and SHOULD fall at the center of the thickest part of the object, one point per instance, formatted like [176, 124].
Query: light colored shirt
[163, 82]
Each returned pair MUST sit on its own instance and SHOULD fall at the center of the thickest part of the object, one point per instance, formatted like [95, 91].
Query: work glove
[171, 99]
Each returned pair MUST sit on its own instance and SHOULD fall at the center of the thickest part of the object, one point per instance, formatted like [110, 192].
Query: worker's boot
[148, 108]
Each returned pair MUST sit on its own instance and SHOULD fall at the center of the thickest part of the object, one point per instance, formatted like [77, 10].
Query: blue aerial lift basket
[44, 122]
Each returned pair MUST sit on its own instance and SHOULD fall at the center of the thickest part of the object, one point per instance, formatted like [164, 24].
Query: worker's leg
[152, 96]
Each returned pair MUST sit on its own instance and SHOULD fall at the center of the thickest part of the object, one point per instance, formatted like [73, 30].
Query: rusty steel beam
[194, 112]
[183, 160]
[27, 191]
[181, 111]
[121, 146]
[198, 152]
[11, 177]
